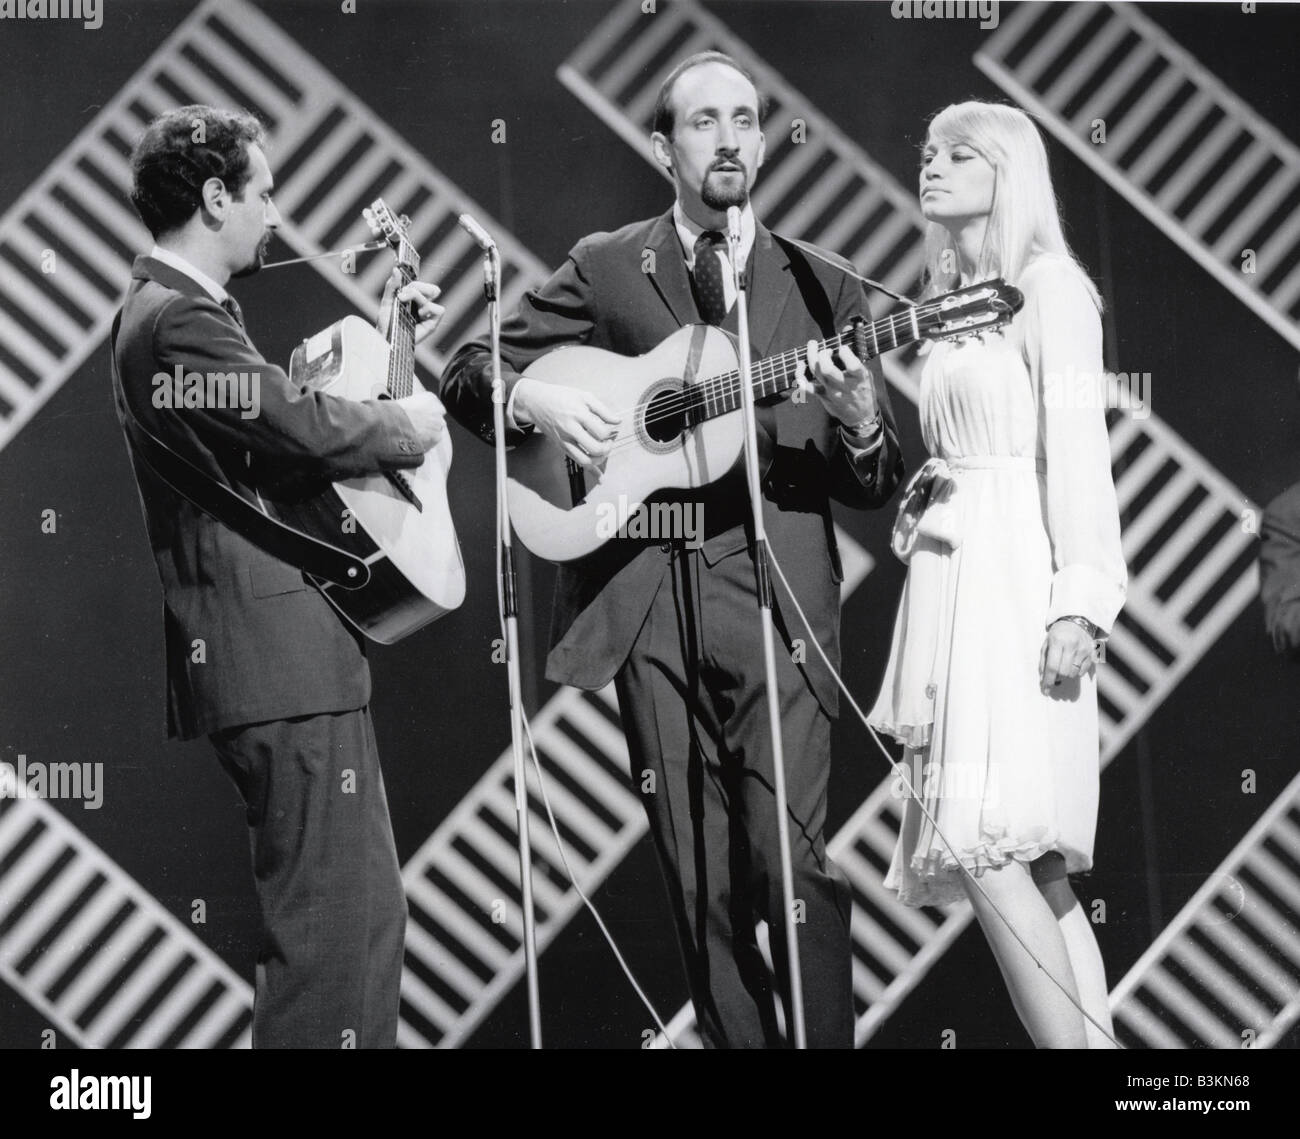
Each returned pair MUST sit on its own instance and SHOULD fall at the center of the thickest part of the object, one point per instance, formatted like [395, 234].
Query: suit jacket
[604, 296]
[1279, 571]
[272, 646]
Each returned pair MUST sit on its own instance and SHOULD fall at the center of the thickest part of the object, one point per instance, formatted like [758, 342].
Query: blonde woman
[1011, 536]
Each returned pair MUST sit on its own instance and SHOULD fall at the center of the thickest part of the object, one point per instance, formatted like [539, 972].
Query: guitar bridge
[404, 488]
[577, 482]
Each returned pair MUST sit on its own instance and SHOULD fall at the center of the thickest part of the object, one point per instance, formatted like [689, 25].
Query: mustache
[719, 163]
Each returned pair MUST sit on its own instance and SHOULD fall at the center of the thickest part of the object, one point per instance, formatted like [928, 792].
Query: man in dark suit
[257, 659]
[1279, 571]
[677, 628]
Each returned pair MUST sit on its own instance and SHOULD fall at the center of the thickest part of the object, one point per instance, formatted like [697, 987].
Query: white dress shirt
[177, 262]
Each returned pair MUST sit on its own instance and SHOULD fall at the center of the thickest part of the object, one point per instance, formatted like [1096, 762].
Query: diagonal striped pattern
[823, 189]
[333, 155]
[1191, 570]
[1191, 563]
[1189, 154]
[460, 961]
[1225, 973]
[464, 942]
[96, 954]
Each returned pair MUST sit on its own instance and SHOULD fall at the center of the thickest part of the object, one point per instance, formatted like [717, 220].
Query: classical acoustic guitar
[398, 524]
[679, 403]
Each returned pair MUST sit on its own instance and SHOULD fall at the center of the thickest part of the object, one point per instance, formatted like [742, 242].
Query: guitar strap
[695, 352]
[317, 558]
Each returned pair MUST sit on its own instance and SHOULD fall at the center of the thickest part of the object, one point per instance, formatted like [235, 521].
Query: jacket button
[666, 547]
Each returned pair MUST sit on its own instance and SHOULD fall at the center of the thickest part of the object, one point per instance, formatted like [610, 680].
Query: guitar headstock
[974, 309]
[386, 226]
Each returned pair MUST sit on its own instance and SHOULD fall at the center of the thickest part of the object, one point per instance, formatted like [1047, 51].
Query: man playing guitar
[257, 659]
[676, 627]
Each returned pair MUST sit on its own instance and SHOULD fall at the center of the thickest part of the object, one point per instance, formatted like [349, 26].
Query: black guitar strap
[317, 558]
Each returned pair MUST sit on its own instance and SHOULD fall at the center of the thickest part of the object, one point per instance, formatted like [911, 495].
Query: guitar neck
[401, 344]
[777, 374]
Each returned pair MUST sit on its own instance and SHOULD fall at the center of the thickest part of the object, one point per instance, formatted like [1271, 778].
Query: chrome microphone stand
[769, 653]
[510, 608]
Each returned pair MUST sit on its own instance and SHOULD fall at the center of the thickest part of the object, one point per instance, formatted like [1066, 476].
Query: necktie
[232, 306]
[709, 293]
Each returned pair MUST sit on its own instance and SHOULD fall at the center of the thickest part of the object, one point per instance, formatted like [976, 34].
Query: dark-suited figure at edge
[677, 627]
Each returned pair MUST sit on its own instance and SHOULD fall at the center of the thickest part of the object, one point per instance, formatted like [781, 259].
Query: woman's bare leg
[1080, 944]
[1047, 1013]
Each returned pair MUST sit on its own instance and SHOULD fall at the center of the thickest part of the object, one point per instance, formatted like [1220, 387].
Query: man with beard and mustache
[676, 627]
[256, 658]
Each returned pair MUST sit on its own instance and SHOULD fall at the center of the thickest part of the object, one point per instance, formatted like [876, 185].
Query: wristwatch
[1094, 631]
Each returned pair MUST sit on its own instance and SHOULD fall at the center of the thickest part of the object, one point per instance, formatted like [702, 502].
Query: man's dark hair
[168, 167]
[663, 116]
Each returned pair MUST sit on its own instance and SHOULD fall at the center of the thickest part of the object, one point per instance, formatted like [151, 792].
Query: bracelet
[1093, 631]
[866, 429]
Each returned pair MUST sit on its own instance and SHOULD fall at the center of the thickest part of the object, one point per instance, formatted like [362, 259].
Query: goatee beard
[720, 196]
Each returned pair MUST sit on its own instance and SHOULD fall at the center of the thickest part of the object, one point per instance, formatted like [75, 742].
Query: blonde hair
[1024, 222]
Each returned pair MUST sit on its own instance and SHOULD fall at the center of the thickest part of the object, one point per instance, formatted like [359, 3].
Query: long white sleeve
[1063, 351]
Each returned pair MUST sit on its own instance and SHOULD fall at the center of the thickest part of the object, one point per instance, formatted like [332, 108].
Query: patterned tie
[709, 293]
[232, 306]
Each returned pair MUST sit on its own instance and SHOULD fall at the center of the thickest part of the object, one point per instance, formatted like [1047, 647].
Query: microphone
[733, 224]
[490, 263]
[476, 231]
[733, 241]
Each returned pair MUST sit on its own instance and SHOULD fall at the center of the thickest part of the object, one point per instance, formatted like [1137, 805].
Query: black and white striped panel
[464, 945]
[1191, 155]
[816, 184]
[1225, 973]
[96, 954]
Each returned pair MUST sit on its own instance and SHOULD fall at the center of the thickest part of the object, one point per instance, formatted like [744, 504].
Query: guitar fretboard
[401, 340]
[777, 374]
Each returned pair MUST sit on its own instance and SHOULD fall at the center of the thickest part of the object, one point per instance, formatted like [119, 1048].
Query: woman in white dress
[1011, 536]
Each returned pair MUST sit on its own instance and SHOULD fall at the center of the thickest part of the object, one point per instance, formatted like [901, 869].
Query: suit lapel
[769, 291]
[669, 278]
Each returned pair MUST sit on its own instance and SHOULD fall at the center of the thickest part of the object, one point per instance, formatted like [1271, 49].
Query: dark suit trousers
[694, 709]
[327, 879]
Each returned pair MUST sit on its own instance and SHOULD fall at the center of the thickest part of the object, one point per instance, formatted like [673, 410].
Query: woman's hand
[1067, 653]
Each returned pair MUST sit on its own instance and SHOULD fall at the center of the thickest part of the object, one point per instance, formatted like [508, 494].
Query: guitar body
[561, 514]
[416, 569]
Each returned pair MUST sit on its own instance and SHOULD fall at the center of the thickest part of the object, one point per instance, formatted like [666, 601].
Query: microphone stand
[510, 606]
[769, 653]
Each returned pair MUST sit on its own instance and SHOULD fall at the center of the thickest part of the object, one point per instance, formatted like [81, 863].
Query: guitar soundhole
[665, 416]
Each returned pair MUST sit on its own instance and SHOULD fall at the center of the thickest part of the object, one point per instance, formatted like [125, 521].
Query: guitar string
[725, 388]
[726, 385]
[402, 342]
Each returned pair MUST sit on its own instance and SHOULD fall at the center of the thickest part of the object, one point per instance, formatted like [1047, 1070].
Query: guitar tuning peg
[405, 221]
